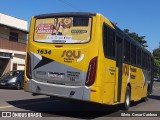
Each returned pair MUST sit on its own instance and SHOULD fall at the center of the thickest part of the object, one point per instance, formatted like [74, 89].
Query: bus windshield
[63, 30]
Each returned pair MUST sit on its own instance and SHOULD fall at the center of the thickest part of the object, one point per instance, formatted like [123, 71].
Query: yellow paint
[106, 83]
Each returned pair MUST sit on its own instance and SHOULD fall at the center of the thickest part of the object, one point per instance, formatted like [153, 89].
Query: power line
[69, 4]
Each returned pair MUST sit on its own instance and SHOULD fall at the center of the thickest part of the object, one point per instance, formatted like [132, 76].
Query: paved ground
[18, 100]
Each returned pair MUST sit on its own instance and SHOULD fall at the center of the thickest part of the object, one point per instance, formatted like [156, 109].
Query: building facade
[13, 37]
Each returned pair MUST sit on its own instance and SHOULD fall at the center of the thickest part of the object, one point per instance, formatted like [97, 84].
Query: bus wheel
[127, 99]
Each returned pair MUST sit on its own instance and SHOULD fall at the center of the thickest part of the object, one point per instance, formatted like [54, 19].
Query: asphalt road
[17, 100]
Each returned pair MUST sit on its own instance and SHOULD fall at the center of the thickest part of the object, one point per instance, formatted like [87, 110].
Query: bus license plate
[56, 75]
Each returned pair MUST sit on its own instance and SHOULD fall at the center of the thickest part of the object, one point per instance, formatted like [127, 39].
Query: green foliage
[156, 67]
[156, 55]
[135, 36]
[143, 42]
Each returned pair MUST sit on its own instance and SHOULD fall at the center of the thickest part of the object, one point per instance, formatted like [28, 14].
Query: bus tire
[127, 101]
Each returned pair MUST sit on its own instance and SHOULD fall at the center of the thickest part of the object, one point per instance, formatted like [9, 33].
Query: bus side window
[133, 54]
[143, 59]
[126, 51]
[139, 57]
[108, 42]
[147, 62]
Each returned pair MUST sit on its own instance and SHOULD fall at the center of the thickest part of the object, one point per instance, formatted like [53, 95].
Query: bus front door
[119, 60]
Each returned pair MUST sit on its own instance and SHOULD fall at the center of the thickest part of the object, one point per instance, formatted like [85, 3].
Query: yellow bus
[84, 56]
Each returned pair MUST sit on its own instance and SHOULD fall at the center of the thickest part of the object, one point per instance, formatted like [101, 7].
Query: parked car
[13, 79]
[0, 74]
[156, 78]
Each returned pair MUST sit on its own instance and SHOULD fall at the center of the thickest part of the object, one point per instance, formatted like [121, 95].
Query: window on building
[109, 42]
[13, 36]
[126, 51]
[133, 54]
[14, 66]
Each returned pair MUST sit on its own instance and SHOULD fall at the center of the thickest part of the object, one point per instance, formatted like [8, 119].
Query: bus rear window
[80, 21]
[63, 30]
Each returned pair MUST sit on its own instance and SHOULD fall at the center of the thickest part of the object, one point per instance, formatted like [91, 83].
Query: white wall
[17, 61]
[13, 22]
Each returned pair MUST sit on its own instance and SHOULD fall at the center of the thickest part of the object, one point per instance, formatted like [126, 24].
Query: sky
[140, 16]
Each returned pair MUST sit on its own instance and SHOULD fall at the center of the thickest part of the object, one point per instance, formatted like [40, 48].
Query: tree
[156, 53]
[156, 56]
[156, 67]
[135, 36]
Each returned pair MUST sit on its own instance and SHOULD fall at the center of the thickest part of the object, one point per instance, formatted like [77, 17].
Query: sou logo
[73, 54]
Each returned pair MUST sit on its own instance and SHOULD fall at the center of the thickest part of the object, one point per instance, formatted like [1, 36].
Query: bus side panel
[103, 89]
[29, 48]
[147, 81]
[129, 78]
[107, 71]
[96, 89]
[125, 80]
[109, 81]
[134, 77]
[140, 82]
[137, 81]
